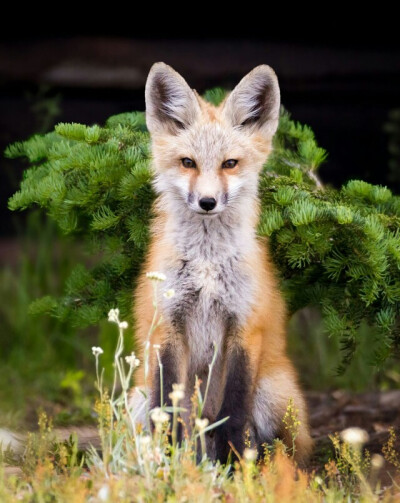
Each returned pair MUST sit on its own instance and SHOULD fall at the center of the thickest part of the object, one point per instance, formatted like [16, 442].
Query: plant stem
[210, 369]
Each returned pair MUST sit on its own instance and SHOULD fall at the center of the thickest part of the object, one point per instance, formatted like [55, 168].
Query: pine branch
[335, 249]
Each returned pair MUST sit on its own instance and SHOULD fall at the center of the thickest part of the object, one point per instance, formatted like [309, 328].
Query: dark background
[338, 74]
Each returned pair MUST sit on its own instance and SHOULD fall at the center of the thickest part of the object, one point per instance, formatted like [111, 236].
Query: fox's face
[207, 158]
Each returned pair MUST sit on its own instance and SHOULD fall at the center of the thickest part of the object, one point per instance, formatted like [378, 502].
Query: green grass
[318, 358]
[45, 363]
[43, 360]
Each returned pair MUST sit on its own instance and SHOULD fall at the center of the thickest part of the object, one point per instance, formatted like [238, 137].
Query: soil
[375, 412]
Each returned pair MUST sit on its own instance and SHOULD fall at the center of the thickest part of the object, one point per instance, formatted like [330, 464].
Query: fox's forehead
[212, 141]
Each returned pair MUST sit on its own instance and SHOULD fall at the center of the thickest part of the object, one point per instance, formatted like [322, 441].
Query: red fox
[206, 163]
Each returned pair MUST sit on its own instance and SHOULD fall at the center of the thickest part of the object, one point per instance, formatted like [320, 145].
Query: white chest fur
[212, 284]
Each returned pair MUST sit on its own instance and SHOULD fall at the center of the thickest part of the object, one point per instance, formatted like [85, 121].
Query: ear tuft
[170, 103]
[255, 102]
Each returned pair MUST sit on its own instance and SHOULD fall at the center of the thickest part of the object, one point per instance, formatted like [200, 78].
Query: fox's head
[207, 159]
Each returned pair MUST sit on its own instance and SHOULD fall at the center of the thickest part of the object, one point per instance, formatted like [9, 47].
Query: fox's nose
[207, 203]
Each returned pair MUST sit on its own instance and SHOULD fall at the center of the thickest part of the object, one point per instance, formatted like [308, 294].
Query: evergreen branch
[336, 249]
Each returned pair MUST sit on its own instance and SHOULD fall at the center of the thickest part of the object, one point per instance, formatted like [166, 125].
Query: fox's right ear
[170, 103]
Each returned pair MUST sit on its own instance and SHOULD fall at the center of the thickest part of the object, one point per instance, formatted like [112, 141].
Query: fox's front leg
[235, 404]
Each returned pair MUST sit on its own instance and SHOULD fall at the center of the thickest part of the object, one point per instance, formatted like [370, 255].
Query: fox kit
[206, 162]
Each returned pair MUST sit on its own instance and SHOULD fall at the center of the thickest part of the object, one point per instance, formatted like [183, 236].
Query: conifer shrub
[338, 250]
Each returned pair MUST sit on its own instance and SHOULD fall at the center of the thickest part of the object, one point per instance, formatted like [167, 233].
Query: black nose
[207, 203]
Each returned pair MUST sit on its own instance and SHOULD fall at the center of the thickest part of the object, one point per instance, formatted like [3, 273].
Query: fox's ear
[170, 103]
[255, 102]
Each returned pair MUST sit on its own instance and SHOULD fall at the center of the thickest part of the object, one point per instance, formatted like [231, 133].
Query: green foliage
[318, 358]
[95, 182]
[215, 96]
[38, 352]
[335, 249]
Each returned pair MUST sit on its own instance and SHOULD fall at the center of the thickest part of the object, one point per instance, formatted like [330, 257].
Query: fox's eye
[188, 163]
[229, 164]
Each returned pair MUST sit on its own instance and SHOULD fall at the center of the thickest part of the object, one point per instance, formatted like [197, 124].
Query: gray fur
[213, 295]
[265, 420]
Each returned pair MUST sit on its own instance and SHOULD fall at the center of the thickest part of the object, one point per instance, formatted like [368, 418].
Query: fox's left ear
[255, 102]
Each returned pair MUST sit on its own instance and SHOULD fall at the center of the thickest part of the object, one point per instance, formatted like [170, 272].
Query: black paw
[228, 441]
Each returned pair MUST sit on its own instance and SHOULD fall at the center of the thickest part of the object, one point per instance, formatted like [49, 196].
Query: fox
[206, 162]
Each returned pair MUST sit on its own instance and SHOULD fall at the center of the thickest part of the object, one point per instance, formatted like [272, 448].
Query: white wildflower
[158, 416]
[156, 276]
[97, 351]
[104, 493]
[169, 293]
[318, 480]
[145, 440]
[132, 360]
[156, 346]
[377, 461]
[250, 454]
[178, 392]
[354, 436]
[113, 315]
[158, 455]
[201, 424]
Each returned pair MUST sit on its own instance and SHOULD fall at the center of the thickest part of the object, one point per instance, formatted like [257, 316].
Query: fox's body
[204, 241]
